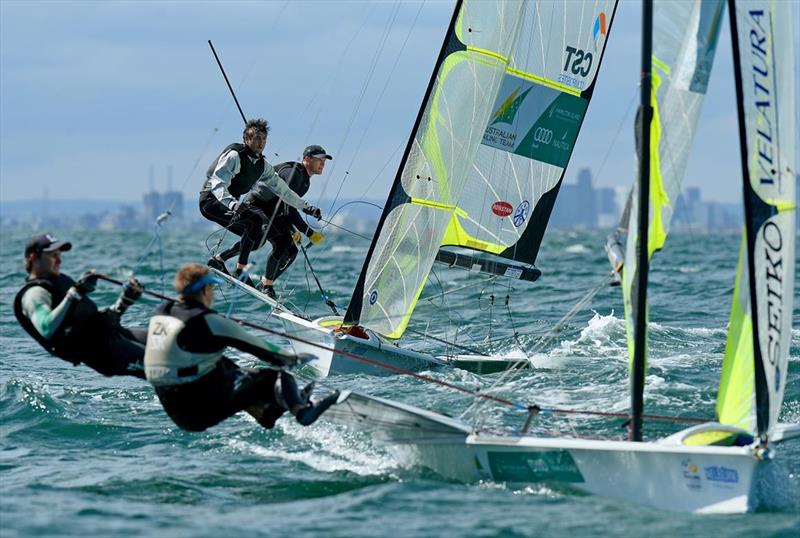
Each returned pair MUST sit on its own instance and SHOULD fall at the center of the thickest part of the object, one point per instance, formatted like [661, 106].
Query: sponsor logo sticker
[718, 473]
[373, 297]
[502, 209]
[691, 475]
[521, 213]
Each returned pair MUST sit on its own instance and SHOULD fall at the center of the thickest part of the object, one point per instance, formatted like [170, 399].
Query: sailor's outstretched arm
[278, 186]
[230, 333]
[37, 306]
[227, 167]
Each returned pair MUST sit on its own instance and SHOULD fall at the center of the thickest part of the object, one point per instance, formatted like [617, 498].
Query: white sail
[432, 175]
[530, 136]
[684, 41]
[504, 49]
[757, 351]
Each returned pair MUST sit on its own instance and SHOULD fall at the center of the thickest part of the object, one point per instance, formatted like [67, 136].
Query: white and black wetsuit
[199, 387]
[232, 175]
[74, 329]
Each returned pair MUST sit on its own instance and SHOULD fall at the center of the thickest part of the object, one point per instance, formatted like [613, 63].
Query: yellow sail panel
[659, 199]
[426, 192]
[736, 397]
[684, 44]
[456, 235]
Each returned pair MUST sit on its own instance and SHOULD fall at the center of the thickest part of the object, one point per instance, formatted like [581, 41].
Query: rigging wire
[424, 377]
[380, 95]
[476, 408]
[365, 85]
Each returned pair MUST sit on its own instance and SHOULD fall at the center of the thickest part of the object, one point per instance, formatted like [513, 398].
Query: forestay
[684, 42]
[757, 350]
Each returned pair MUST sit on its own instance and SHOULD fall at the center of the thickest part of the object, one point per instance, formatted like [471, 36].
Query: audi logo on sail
[542, 135]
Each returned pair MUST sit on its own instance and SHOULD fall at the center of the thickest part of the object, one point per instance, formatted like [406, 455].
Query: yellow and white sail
[684, 43]
[759, 334]
[502, 63]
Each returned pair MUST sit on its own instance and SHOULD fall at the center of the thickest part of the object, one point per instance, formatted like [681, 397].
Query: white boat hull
[678, 478]
[336, 354]
[665, 474]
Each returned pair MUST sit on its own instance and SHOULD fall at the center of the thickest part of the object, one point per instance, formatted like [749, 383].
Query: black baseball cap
[316, 152]
[45, 243]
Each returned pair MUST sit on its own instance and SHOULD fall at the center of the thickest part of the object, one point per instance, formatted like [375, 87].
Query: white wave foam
[333, 450]
[600, 335]
[706, 331]
[344, 248]
[577, 249]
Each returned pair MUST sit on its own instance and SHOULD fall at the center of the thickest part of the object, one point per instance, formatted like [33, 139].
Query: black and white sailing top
[238, 169]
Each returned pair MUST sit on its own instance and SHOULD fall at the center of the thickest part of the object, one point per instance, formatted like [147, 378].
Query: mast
[640, 328]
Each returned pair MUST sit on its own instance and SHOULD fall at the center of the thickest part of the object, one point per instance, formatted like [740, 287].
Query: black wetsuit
[199, 387]
[282, 218]
[86, 335]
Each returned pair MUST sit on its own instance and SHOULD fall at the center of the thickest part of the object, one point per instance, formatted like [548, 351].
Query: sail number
[581, 61]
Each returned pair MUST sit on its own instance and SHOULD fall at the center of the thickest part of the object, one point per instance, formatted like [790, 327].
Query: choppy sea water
[85, 455]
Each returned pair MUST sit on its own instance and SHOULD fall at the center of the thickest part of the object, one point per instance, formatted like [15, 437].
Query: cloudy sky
[95, 94]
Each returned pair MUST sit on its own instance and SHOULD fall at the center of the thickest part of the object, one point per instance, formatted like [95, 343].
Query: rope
[427, 378]
[476, 407]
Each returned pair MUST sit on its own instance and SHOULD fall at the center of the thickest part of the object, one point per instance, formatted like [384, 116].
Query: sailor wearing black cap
[57, 312]
[199, 387]
[285, 224]
[229, 178]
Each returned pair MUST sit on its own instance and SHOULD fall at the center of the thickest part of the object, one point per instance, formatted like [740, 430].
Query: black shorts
[219, 394]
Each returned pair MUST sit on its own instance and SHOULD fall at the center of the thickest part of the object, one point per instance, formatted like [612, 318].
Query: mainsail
[531, 134]
[757, 350]
[684, 41]
[489, 149]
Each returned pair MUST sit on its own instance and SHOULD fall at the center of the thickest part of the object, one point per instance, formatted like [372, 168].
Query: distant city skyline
[138, 85]
[580, 205]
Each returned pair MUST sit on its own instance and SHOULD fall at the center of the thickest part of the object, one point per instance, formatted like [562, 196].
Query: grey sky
[93, 93]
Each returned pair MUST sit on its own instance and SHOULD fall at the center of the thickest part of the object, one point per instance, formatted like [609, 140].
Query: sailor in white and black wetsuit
[197, 385]
[285, 226]
[231, 176]
[57, 312]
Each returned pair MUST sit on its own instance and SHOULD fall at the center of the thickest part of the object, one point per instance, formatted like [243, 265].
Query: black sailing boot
[308, 415]
[267, 290]
[241, 276]
[218, 265]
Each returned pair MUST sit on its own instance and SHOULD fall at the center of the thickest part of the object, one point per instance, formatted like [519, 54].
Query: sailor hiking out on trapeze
[57, 312]
[197, 385]
[285, 226]
[229, 178]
